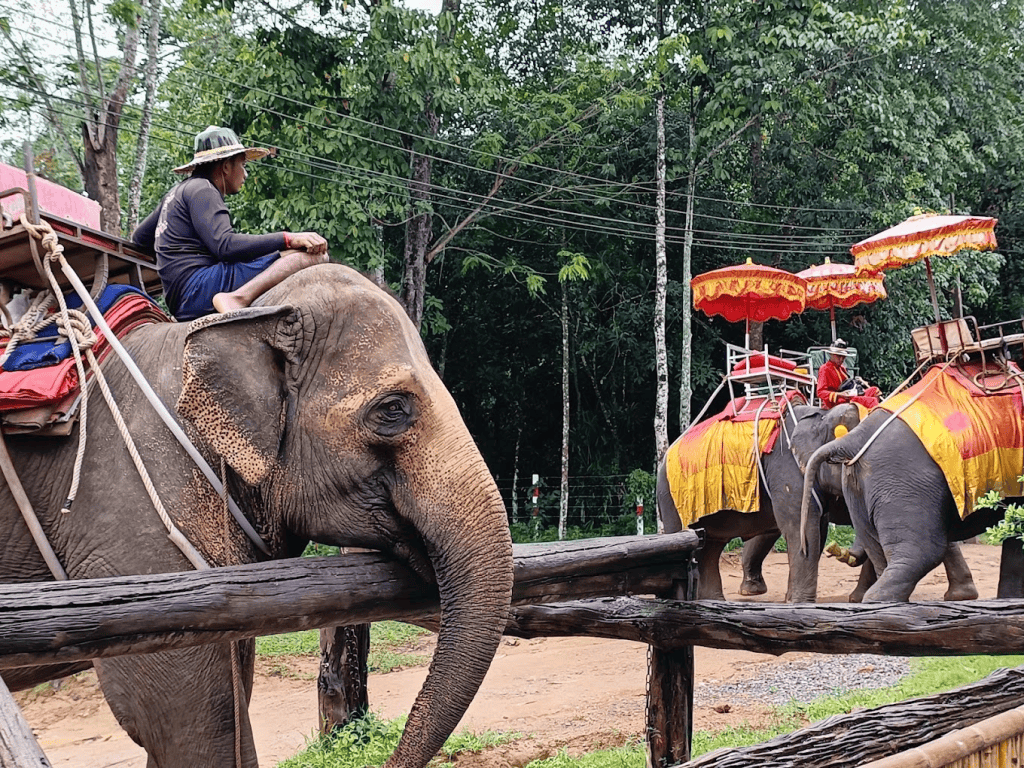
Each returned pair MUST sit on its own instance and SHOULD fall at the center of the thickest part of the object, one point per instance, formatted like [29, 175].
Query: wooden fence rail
[71, 621]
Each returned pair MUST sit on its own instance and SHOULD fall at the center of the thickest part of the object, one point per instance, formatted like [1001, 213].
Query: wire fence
[600, 505]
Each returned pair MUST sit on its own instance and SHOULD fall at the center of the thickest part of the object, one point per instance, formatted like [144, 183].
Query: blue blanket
[48, 350]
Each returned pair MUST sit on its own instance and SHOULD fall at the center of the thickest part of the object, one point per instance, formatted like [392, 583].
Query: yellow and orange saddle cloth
[713, 466]
[971, 422]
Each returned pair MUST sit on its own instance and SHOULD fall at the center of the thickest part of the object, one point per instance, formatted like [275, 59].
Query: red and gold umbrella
[840, 285]
[921, 237]
[749, 292]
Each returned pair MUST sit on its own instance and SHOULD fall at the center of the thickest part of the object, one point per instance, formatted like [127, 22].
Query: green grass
[369, 742]
[387, 638]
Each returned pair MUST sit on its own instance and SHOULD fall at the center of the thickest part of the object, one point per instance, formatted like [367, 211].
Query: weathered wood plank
[907, 629]
[845, 741]
[18, 747]
[63, 622]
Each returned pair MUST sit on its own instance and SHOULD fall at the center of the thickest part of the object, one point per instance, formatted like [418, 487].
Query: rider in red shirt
[835, 384]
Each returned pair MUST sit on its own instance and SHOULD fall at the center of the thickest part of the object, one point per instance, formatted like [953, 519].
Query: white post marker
[639, 515]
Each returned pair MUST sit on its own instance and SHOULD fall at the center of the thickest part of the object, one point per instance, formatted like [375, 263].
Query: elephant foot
[857, 596]
[751, 587]
[710, 594]
[961, 592]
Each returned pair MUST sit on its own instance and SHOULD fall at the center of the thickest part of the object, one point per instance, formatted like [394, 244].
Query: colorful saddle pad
[974, 433]
[39, 381]
[713, 466]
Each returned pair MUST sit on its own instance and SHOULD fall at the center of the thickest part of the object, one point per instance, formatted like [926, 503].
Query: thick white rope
[80, 334]
[151, 396]
[35, 317]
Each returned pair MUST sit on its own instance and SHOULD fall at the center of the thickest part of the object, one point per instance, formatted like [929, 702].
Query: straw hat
[217, 143]
[839, 347]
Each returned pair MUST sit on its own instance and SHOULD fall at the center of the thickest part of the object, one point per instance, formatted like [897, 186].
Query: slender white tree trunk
[685, 387]
[563, 501]
[142, 148]
[660, 282]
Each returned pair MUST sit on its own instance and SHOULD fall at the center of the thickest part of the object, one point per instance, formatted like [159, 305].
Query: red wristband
[287, 239]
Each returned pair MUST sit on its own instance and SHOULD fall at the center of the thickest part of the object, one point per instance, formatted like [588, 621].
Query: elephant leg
[180, 705]
[958, 573]
[754, 552]
[709, 578]
[864, 581]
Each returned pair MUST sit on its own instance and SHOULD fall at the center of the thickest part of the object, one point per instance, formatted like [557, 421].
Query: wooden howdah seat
[93, 254]
[962, 336]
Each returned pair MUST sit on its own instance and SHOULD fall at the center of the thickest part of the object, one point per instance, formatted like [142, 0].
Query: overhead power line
[855, 233]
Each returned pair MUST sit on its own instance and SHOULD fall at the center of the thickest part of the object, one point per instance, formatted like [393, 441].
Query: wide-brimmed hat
[217, 143]
[839, 347]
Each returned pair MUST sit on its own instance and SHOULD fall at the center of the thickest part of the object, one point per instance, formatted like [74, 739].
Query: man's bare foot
[225, 302]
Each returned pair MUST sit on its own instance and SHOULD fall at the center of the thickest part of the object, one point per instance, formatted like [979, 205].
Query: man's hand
[310, 242]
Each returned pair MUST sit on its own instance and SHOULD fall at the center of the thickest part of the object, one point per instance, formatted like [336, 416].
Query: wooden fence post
[18, 747]
[1011, 570]
[670, 690]
[341, 684]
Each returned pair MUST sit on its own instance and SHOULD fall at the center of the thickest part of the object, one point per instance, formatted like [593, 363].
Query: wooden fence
[560, 589]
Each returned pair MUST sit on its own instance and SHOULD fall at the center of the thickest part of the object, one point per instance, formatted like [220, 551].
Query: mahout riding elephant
[903, 513]
[334, 428]
[781, 486]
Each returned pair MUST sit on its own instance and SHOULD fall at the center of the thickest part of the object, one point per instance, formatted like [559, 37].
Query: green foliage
[1012, 524]
[369, 741]
[931, 675]
[387, 639]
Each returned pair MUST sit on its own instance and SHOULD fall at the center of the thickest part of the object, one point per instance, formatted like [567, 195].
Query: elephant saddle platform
[971, 422]
[39, 388]
[713, 465]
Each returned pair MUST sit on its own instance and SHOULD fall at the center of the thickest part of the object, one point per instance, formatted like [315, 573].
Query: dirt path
[562, 692]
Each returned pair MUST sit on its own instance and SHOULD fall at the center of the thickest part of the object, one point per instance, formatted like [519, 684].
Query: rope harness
[75, 325]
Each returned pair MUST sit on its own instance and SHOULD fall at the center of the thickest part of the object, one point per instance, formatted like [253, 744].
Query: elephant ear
[843, 418]
[234, 387]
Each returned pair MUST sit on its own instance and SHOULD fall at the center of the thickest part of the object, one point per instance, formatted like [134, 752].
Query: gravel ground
[808, 679]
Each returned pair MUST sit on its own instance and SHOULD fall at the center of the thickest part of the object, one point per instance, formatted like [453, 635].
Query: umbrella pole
[931, 288]
[832, 318]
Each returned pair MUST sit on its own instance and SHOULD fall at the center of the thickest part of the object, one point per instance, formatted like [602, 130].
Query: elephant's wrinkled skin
[335, 428]
[903, 513]
[781, 487]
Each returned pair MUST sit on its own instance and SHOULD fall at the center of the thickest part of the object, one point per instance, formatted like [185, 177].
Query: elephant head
[815, 426]
[324, 404]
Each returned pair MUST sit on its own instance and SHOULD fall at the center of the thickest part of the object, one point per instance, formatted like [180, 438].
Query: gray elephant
[781, 486]
[334, 428]
[903, 513]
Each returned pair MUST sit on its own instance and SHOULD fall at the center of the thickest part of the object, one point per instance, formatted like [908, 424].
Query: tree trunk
[417, 231]
[686, 354]
[142, 147]
[660, 283]
[341, 684]
[102, 121]
[563, 496]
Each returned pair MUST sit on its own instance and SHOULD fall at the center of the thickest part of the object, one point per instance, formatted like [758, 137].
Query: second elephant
[900, 504]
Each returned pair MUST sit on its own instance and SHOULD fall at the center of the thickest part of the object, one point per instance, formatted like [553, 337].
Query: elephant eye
[392, 414]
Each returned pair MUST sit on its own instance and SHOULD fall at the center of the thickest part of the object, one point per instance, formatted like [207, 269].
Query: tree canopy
[800, 126]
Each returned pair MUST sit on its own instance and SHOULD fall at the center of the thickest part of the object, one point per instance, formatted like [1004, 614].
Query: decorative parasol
[749, 292]
[921, 237]
[840, 285]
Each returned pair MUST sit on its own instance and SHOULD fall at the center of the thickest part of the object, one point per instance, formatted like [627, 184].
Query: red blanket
[57, 385]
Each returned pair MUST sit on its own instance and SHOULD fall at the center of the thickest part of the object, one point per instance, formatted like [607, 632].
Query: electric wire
[441, 142]
[513, 211]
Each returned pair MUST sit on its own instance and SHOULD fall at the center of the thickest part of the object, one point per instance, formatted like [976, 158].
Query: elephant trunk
[843, 449]
[465, 528]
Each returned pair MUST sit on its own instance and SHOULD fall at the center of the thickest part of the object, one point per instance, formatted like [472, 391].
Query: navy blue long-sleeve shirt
[191, 228]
